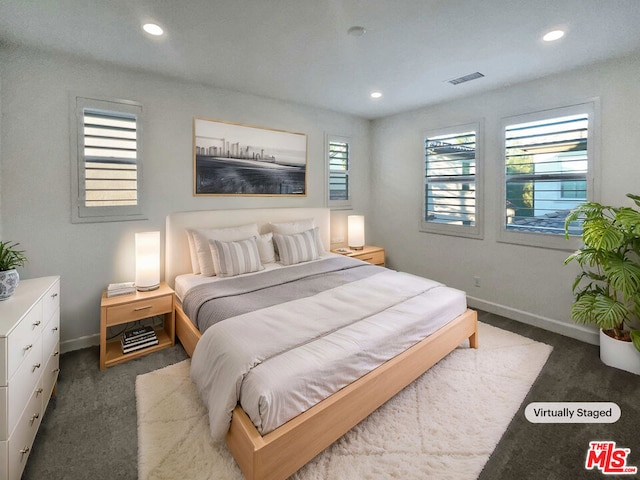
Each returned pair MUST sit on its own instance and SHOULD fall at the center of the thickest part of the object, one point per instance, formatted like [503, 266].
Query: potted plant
[607, 290]
[10, 259]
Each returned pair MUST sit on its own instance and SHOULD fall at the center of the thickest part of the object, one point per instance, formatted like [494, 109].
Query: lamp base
[147, 288]
[357, 248]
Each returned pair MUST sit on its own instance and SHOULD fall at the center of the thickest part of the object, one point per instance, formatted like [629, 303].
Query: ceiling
[299, 50]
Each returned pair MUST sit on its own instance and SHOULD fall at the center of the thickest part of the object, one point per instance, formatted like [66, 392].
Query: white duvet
[279, 361]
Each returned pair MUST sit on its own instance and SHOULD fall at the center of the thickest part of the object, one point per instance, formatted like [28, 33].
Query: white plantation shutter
[451, 200]
[109, 173]
[339, 194]
[548, 171]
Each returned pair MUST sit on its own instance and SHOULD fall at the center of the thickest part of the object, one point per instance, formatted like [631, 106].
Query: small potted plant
[607, 289]
[10, 259]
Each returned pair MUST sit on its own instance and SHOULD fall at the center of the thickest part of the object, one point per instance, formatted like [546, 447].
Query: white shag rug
[443, 426]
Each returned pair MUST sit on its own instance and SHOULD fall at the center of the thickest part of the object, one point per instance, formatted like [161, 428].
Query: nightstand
[369, 254]
[123, 309]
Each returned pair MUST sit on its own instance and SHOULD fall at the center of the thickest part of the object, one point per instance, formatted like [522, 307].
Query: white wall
[35, 169]
[525, 283]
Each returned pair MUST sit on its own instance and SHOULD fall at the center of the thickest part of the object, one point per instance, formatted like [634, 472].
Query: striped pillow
[297, 248]
[235, 258]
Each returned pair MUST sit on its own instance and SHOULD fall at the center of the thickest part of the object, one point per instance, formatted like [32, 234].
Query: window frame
[339, 204]
[80, 213]
[548, 240]
[469, 231]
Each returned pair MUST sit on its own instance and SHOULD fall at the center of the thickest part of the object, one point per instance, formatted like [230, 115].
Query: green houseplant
[607, 289]
[10, 259]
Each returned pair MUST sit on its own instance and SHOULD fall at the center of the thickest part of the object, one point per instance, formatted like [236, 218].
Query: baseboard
[578, 332]
[80, 343]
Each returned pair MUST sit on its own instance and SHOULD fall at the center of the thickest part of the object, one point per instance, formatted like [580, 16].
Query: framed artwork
[234, 159]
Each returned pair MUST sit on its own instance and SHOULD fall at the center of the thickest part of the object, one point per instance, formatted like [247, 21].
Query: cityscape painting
[235, 159]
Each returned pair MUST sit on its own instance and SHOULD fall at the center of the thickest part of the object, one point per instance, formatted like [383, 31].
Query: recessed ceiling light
[376, 94]
[553, 35]
[357, 31]
[153, 29]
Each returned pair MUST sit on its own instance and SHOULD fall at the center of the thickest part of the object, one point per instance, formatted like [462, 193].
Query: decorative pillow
[265, 248]
[298, 226]
[297, 248]
[235, 258]
[193, 252]
[201, 239]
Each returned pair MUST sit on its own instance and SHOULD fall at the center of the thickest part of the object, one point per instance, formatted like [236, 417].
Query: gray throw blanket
[208, 304]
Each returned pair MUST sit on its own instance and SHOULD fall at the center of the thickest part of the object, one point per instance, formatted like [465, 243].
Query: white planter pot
[619, 354]
[8, 282]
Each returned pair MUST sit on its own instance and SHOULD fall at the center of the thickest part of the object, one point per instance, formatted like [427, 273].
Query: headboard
[177, 259]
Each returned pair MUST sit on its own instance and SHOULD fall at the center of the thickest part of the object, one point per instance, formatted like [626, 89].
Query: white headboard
[177, 259]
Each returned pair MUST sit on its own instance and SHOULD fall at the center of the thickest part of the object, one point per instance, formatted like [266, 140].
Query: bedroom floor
[89, 430]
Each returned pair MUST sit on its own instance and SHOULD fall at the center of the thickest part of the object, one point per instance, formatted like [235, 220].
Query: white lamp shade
[355, 231]
[147, 260]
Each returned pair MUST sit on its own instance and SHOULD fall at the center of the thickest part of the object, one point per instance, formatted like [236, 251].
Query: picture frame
[243, 160]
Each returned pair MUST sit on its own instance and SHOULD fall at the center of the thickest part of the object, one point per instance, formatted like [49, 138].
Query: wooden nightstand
[124, 309]
[369, 254]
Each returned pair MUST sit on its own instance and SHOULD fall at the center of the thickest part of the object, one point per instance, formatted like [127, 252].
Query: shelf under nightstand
[123, 309]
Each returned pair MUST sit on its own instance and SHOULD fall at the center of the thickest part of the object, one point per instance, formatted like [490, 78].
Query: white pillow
[297, 248]
[235, 258]
[298, 226]
[195, 264]
[265, 248]
[201, 239]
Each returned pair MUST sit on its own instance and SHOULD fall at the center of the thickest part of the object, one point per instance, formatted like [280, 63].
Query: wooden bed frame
[280, 453]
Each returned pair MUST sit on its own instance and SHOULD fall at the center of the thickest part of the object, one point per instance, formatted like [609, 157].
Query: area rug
[443, 426]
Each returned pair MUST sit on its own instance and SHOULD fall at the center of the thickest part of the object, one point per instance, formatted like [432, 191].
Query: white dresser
[29, 365]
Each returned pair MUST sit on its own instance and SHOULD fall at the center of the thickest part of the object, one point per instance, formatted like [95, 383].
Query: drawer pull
[39, 391]
[28, 347]
[36, 366]
[37, 323]
[142, 308]
[55, 370]
[54, 295]
[55, 354]
[34, 417]
[54, 329]
[366, 259]
[25, 450]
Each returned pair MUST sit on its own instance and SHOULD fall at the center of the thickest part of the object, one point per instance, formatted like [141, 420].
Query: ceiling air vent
[465, 78]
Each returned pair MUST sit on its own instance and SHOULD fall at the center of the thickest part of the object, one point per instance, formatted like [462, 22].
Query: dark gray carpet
[89, 430]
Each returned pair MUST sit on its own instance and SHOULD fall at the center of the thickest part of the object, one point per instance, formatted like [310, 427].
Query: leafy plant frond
[600, 234]
[623, 274]
[10, 256]
[609, 313]
[635, 198]
[635, 338]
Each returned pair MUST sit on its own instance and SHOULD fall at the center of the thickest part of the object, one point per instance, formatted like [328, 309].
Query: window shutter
[450, 179]
[339, 165]
[110, 158]
[546, 172]
[107, 159]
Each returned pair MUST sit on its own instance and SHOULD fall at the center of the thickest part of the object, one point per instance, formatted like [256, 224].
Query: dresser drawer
[21, 341]
[21, 441]
[51, 335]
[49, 376]
[139, 309]
[23, 383]
[4, 405]
[51, 301]
[377, 258]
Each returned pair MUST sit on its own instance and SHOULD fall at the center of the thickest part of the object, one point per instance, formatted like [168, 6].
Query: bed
[286, 441]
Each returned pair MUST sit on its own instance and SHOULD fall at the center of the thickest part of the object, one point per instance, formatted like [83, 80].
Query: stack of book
[138, 338]
[120, 289]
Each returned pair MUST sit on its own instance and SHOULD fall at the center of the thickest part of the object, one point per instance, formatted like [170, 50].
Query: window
[548, 172]
[451, 200]
[339, 161]
[107, 173]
